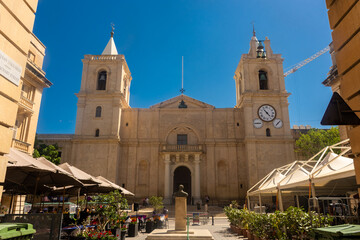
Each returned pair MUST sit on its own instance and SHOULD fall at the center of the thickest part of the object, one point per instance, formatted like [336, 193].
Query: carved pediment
[184, 102]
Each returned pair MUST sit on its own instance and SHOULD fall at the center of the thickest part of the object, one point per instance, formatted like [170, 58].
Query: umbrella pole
[36, 186]
[23, 210]
[41, 203]
[260, 203]
[63, 202]
[77, 203]
[11, 202]
[58, 203]
[297, 200]
[281, 206]
[315, 201]
[86, 196]
[77, 198]
[20, 196]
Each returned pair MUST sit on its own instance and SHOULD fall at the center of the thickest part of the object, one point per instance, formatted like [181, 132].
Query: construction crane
[306, 61]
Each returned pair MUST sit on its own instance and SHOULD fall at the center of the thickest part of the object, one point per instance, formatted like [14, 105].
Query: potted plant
[149, 227]
[123, 231]
[99, 235]
[133, 228]
[110, 209]
[117, 224]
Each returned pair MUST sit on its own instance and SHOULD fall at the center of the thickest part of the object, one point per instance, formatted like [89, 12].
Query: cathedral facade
[219, 152]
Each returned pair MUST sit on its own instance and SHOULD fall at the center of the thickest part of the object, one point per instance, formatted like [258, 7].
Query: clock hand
[267, 113]
[277, 123]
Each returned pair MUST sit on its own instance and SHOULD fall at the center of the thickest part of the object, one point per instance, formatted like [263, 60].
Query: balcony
[26, 103]
[22, 146]
[181, 148]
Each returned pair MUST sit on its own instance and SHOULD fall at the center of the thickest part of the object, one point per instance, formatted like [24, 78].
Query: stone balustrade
[105, 57]
[20, 145]
[181, 148]
[26, 102]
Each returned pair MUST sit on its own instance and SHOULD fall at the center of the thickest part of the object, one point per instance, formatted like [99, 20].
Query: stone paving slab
[220, 230]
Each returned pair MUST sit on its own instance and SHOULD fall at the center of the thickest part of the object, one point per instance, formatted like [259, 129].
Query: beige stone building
[212, 151]
[344, 77]
[21, 78]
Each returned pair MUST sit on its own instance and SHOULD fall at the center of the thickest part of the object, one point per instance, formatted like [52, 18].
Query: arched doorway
[182, 175]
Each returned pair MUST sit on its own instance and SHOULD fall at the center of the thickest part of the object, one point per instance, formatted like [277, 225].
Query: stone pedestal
[180, 213]
[180, 232]
[163, 234]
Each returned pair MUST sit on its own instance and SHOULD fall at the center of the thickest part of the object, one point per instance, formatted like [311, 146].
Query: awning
[323, 168]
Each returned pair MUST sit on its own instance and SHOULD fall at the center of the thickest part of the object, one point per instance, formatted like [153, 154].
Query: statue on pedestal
[180, 209]
[181, 192]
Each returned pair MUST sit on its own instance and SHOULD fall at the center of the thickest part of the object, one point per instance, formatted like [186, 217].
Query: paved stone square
[220, 230]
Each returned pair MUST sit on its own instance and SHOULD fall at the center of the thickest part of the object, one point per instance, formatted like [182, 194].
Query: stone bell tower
[104, 93]
[261, 93]
[105, 90]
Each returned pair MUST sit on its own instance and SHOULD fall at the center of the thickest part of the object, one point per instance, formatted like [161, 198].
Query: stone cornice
[100, 139]
[265, 93]
[269, 140]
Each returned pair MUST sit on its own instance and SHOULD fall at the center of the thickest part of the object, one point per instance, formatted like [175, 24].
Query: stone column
[197, 178]
[167, 194]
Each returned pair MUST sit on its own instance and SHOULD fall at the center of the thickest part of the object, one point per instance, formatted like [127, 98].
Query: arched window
[97, 132]
[268, 133]
[101, 82]
[98, 111]
[263, 80]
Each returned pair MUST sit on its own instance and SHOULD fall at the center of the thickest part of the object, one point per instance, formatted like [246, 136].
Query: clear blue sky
[153, 35]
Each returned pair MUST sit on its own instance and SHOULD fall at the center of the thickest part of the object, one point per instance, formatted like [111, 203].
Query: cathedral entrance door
[182, 175]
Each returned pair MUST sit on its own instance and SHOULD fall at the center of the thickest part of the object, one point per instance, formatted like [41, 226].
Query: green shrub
[294, 223]
[156, 203]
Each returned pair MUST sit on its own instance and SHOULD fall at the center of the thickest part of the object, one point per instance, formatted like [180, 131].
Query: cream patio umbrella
[84, 177]
[33, 175]
[115, 186]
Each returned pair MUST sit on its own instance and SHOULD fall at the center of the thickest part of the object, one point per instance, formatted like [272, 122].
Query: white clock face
[267, 113]
[277, 123]
[258, 123]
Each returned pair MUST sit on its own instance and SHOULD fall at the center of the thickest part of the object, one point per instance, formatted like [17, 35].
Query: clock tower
[261, 94]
